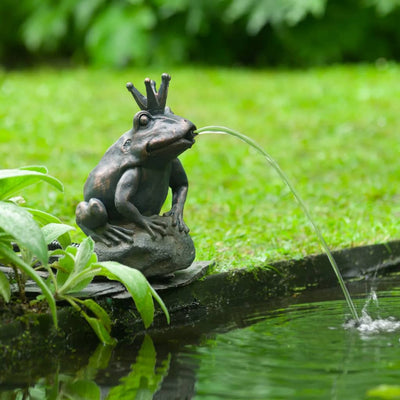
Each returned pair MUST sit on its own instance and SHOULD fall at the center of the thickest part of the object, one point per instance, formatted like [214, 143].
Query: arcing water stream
[277, 168]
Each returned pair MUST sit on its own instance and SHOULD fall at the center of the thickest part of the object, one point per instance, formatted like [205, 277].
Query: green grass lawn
[334, 131]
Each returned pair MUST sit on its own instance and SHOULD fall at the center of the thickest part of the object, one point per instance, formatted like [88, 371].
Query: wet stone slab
[102, 287]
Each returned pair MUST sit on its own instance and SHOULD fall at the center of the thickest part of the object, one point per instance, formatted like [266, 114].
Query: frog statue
[125, 192]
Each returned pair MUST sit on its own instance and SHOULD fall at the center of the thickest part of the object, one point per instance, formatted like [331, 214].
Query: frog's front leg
[92, 218]
[179, 186]
[124, 195]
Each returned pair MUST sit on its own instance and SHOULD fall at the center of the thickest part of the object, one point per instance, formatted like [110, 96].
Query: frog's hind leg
[92, 218]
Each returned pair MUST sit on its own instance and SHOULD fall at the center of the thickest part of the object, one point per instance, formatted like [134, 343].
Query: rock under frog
[125, 192]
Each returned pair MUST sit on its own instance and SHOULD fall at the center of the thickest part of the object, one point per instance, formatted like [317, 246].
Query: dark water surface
[296, 348]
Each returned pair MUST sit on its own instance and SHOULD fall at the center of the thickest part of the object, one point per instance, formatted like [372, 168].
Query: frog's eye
[144, 120]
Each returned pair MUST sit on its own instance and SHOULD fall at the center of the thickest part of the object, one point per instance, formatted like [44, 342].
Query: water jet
[226, 131]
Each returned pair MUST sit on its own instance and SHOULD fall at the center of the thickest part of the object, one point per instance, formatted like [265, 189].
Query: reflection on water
[141, 382]
[144, 378]
[298, 349]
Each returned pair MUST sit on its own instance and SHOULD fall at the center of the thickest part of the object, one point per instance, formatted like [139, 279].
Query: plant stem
[20, 283]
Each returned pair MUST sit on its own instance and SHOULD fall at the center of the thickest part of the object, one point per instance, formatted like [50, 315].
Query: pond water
[295, 348]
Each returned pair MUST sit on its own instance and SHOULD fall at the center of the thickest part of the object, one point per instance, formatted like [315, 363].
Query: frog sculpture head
[157, 131]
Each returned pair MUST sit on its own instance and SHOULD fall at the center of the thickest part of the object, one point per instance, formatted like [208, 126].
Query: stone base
[153, 257]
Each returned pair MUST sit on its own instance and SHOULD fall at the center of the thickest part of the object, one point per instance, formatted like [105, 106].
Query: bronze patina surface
[124, 193]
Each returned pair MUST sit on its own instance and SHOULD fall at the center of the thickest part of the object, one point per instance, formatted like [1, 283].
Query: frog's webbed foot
[152, 225]
[177, 219]
[112, 235]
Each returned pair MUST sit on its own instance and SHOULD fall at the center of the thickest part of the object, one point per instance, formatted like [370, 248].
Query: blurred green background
[314, 82]
[258, 33]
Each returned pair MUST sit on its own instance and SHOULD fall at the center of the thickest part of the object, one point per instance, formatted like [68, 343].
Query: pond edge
[212, 292]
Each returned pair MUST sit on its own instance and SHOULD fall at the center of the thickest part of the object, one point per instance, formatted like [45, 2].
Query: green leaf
[82, 273]
[13, 180]
[96, 324]
[98, 311]
[385, 392]
[44, 218]
[99, 329]
[9, 254]
[71, 251]
[66, 261]
[5, 289]
[19, 223]
[38, 168]
[138, 287]
[84, 254]
[81, 390]
[160, 302]
[77, 282]
[54, 231]
[64, 266]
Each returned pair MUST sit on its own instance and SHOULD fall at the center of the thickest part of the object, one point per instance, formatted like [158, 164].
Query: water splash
[367, 325]
[371, 299]
[226, 131]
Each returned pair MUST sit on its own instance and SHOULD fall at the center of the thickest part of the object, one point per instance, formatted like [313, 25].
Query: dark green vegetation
[29, 231]
[333, 131]
[223, 32]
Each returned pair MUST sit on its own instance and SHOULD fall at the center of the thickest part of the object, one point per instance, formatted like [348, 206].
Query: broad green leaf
[72, 250]
[94, 323]
[99, 329]
[84, 254]
[98, 311]
[81, 274]
[44, 218]
[38, 168]
[385, 392]
[136, 284]
[54, 231]
[9, 254]
[77, 282]
[19, 223]
[5, 237]
[81, 390]
[66, 261]
[64, 265]
[5, 289]
[13, 180]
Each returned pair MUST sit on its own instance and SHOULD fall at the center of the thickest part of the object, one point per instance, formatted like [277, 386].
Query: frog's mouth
[173, 145]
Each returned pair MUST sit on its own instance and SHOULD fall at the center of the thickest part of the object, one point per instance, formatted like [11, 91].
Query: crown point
[155, 101]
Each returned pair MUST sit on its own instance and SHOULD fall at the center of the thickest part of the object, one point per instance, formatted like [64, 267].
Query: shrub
[250, 32]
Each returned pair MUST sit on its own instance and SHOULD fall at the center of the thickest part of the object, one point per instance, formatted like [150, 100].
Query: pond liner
[207, 295]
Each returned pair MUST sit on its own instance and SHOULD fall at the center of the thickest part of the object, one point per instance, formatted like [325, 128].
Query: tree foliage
[255, 32]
